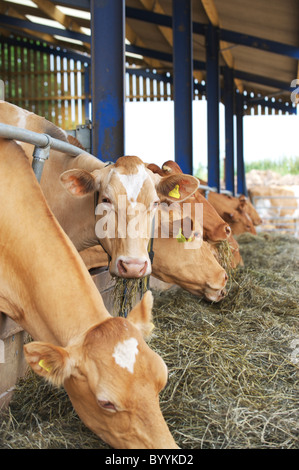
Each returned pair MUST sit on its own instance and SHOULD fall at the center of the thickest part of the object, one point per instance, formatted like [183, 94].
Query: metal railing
[42, 145]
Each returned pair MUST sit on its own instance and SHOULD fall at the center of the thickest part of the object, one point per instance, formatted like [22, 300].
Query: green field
[284, 166]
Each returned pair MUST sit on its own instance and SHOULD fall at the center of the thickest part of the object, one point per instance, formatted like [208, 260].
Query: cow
[215, 229]
[71, 192]
[74, 186]
[111, 375]
[233, 210]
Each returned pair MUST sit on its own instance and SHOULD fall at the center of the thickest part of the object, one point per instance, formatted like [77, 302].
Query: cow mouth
[215, 296]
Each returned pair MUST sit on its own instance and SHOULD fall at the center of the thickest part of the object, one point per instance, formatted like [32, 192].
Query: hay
[125, 294]
[233, 375]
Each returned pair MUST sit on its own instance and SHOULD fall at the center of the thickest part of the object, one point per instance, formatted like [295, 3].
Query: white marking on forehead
[134, 182]
[125, 354]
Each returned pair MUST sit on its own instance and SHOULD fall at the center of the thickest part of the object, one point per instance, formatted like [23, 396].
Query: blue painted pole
[87, 91]
[229, 129]
[213, 96]
[108, 70]
[241, 181]
[183, 83]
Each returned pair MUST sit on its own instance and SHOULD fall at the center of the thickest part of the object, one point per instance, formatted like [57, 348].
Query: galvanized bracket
[40, 155]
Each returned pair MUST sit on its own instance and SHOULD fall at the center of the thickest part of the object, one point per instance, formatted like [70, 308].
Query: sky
[150, 133]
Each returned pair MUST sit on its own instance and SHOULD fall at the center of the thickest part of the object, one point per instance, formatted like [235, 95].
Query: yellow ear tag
[175, 192]
[44, 365]
[181, 238]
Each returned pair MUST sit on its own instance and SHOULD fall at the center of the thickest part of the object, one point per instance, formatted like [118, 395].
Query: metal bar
[229, 129]
[183, 84]
[241, 181]
[108, 70]
[259, 43]
[213, 96]
[39, 140]
[26, 24]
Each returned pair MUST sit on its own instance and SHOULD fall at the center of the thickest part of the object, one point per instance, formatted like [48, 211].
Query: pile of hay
[233, 365]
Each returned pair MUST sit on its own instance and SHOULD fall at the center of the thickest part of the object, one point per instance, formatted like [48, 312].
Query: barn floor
[233, 366]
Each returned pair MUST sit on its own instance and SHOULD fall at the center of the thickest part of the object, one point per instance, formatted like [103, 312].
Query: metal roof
[258, 39]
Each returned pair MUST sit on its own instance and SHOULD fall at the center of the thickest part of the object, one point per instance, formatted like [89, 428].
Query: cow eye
[107, 405]
[106, 199]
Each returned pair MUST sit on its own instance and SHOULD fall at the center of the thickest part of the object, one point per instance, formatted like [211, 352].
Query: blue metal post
[241, 182]
[183, 83]
[87, 90]
[213, 95]
[229, 129]
[108, 71]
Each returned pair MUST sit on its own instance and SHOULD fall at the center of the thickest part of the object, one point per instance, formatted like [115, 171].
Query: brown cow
[214, 226]
[111, 375]
[127, 180]
[215, 229]
[75, 211]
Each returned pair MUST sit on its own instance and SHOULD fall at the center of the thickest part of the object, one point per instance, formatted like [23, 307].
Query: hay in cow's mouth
[233, 365]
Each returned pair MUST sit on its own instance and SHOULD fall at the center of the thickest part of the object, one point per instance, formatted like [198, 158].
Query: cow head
[113, 379]
[194, 269]
[215, 229]
[239, 218]
[127, 196]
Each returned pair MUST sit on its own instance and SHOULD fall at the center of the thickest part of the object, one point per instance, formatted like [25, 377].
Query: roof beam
[55, 14]
[7, 9]
[166, 31]
[225, 35]
[20, 23]
[212, 14]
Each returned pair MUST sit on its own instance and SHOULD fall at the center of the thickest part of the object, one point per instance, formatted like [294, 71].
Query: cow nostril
[228, 230]
[225, 277]
[121, 267]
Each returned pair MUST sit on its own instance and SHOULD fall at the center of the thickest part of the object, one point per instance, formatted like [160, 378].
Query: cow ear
[78, 182]
[141, 315]
[177, 188]
[242, 201]
[230, 216]
[49, 361]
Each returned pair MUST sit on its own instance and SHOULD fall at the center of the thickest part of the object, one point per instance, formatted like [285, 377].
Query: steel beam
[108, 69]
[229, 129]
[213, 98]
[241, 181]
[183, 84]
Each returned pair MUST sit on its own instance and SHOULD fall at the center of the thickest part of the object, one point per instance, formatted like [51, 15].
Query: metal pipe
[39, 140]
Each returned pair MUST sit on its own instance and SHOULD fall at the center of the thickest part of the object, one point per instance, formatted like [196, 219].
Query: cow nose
[228, 230]
[131, 268]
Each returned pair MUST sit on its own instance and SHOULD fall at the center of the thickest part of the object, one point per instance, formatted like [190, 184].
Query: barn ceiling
[259, 39]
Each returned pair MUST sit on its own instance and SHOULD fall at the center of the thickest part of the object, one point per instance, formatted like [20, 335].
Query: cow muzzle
[132, 268]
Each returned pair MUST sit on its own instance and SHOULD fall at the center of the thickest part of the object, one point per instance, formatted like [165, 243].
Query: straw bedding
[233, 365]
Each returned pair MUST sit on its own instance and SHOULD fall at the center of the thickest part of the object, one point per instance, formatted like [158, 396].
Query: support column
[108, 72]
[87, 91]
[213, 96]
[229, 129]
[241, 181]
[183, 83]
